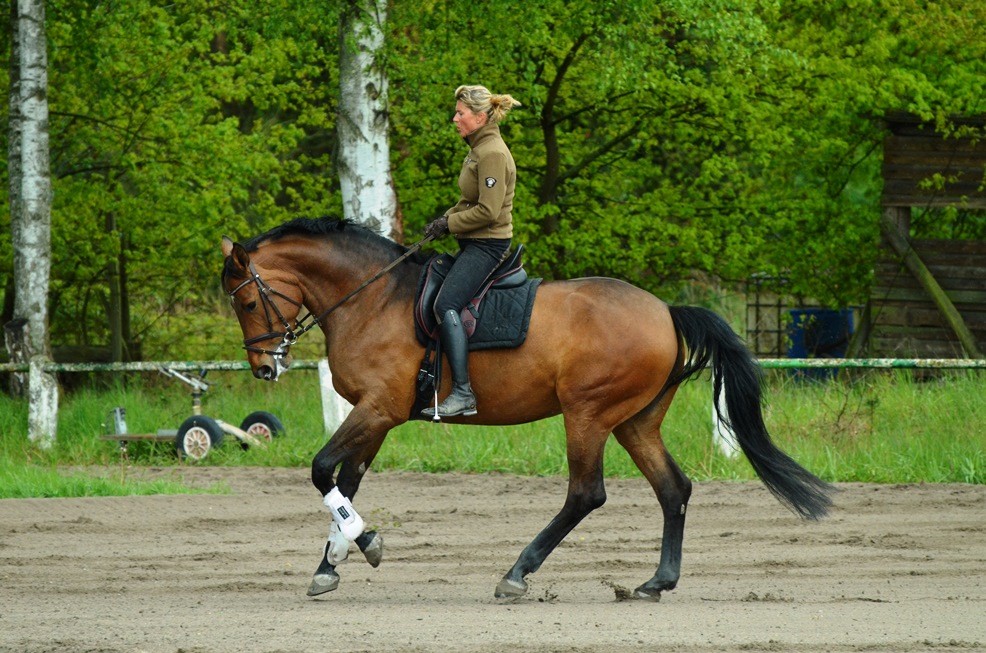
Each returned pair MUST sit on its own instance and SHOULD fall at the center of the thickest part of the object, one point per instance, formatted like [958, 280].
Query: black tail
[710, 339]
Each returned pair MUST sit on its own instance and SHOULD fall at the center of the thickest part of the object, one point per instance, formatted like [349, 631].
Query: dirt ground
[895, 568]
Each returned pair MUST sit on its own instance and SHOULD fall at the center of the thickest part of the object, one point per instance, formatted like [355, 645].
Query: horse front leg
[353, 446]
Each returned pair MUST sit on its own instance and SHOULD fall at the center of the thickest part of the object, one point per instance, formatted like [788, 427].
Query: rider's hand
[437, 228]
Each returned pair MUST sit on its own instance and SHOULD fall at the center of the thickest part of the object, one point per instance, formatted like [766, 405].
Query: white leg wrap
[350, 523]
[337, 547]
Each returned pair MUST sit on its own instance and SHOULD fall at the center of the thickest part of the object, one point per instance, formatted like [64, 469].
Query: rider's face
[466, 121]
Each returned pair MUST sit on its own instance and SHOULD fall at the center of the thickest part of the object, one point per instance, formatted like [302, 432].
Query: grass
[19, 481]
[877, 427]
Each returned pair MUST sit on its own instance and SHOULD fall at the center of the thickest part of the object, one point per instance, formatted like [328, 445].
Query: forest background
[658, 142]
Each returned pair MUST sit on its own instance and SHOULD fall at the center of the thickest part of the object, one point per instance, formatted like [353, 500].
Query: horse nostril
[264, 372]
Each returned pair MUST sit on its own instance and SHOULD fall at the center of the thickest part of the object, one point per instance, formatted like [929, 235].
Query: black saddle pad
[504, 316]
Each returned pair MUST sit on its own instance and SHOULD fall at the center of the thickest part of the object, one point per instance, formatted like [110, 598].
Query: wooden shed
[929, 296]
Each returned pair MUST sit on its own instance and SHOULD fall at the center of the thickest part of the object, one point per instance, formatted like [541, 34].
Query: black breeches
[476, 261]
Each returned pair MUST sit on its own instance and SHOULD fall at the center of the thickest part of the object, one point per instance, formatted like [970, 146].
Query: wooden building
[929, 296]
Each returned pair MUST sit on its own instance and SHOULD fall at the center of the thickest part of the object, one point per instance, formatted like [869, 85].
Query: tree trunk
[114, 313]
[363, 161]
[30, 210]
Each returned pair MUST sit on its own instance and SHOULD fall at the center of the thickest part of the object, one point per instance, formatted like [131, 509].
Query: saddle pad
[504, 316]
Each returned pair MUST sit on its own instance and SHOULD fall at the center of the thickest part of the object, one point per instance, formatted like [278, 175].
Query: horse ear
[227, 246]
[237, 254]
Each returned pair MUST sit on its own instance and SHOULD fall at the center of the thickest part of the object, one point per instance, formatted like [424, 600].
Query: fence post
[722, 435]
[335, 409]
[42, 403]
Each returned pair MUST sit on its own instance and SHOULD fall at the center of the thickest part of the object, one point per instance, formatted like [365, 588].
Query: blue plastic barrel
[819, 333]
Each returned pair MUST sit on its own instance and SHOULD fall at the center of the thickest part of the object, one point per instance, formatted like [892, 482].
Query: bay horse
[604, 354]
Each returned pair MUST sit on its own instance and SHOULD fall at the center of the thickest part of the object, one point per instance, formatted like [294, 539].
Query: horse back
[590, 340]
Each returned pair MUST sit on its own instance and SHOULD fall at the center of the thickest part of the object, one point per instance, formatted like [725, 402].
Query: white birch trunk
[30, 193]
[363, 161]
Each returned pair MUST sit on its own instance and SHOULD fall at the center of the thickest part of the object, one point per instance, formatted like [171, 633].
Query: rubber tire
[197, 436]
[265, 426]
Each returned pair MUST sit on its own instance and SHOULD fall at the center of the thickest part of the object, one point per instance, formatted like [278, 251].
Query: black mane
[326, 226]
[357, 238]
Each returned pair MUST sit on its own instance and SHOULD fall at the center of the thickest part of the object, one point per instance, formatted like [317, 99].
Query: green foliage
[172, 125]
[655, 141]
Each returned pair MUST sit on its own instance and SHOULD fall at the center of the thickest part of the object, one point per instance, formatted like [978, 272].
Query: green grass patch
[873, 426]
[23, 481]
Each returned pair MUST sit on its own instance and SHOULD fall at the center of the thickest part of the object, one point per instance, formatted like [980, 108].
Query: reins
[324, 314]
[290, 336]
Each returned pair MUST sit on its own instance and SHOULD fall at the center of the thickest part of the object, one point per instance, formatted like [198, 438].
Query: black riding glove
[437, 227]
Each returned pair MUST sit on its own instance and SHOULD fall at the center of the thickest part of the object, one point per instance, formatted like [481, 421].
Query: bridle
[309, 321]
[288, 336]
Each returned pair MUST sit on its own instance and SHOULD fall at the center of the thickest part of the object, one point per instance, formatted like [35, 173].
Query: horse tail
[710, 339]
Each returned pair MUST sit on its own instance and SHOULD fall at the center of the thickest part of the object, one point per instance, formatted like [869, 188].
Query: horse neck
[326, 273]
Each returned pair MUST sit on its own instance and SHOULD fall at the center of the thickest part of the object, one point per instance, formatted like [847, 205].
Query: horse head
[264, 300]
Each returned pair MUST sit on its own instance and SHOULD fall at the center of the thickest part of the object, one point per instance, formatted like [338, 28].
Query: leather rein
[290, 336]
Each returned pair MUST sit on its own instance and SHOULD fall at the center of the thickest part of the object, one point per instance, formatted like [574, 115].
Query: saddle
[505, 315]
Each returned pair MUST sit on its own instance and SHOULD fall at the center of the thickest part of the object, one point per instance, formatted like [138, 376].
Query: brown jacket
[486, 184]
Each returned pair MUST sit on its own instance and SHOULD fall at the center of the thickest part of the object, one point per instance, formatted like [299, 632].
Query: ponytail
[479, 100]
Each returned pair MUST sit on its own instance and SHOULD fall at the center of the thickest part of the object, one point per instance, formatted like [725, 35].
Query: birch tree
[30, 210]
[363, 161]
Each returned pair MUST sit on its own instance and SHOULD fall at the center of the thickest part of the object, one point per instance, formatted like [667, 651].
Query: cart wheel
[261, 425]
[197, 436]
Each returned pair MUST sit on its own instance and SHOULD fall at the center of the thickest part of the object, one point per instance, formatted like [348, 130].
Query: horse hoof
[644, 593]
[510, 589]
[371, 544]
[322, 583]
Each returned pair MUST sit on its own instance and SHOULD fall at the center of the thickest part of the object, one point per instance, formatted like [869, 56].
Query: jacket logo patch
[490, 182]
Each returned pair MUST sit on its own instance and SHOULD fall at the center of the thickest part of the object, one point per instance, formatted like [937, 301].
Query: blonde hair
[478, 99]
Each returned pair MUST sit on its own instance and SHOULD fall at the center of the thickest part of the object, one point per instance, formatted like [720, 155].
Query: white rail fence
[335, 408]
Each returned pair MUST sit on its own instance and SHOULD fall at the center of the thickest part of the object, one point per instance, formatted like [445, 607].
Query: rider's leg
[473, 265]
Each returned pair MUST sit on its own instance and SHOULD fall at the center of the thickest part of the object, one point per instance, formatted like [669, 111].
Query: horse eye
[251, 307]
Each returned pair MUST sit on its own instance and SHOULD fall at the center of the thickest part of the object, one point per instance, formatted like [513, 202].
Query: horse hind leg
[641, 437]
[586, 492]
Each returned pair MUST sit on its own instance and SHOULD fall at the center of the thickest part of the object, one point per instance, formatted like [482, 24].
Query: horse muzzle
[274, 361]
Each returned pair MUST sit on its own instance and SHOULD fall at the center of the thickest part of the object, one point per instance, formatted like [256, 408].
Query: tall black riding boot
[455, 344]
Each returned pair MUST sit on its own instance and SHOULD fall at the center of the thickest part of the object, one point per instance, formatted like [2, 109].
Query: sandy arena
[895, 568]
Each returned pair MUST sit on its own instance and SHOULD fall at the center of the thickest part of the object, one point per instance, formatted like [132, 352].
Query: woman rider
[482, 223]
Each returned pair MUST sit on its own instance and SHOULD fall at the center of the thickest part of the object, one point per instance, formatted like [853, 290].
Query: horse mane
[325, 226]
[357, 237]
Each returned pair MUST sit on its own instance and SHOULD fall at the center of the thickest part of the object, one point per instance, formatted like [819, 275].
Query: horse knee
[322, 470]
[585, 502]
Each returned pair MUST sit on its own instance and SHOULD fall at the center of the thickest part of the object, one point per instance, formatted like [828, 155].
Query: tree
[30, 209]
[662, 139]
[363, 163]
[633, 138]
[211, 122]
[656, 141]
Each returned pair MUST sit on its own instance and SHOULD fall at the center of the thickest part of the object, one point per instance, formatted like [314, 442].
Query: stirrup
[461, 402]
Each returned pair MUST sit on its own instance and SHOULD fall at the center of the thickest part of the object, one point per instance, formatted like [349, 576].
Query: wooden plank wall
[905, 323]
[914, 156]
